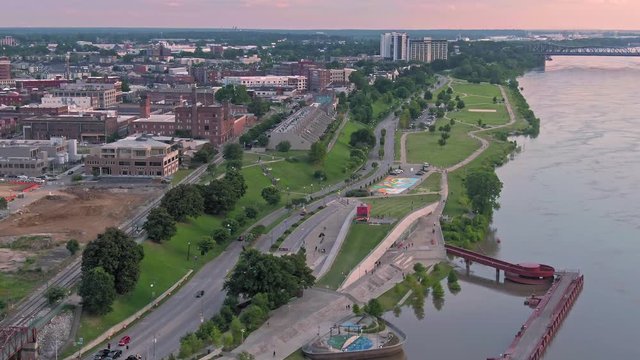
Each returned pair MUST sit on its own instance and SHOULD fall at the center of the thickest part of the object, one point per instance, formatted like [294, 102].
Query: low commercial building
[105, 95]
[133, 156]
[303, 128]
[35, 157]
[300, 82]
[94, 127]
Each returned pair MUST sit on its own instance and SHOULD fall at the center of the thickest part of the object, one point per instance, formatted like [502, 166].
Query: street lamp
[242, 336]
[155, 341]
[188, 249]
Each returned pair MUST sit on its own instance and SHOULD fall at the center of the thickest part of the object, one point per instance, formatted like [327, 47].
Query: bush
[258, 230]
[54, 294]
[73, 246]
[283, 146]
[76, 177]
[357, 193]
[250, 212]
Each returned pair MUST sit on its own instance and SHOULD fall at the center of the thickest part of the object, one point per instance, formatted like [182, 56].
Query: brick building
[5, 68]
[92, 127]
[133, 156]
[8, 125]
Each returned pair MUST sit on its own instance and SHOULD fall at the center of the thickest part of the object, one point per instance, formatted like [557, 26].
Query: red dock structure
[520, 273]
[535, 335]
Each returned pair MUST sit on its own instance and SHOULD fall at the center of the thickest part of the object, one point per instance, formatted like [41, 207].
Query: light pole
[242, 336]
[153, 292]
[188, 250]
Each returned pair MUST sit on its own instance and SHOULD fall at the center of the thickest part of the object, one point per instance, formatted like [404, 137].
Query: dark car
[200, 294]
[70, 172]
[101, 354]
[134, 357]
[114, 354]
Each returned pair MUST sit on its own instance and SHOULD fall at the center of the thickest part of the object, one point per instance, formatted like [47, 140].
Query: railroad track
[35, 307]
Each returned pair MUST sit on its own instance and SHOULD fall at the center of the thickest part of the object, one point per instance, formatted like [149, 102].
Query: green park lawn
[15, 286]
[457, 203]
[431, 184]
[424, 147]
[297, 175]
[181, 174]
[398, 206]
[163, 265]
[483, 89]
[479, 96]
[360, 241]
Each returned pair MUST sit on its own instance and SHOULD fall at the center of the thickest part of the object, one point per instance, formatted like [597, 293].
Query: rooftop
[159, 118]
[139, 142]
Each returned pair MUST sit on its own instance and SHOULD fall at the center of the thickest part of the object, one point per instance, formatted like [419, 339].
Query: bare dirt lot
[79, 213]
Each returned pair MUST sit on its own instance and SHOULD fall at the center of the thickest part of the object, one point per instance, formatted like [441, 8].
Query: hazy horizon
[552, 15]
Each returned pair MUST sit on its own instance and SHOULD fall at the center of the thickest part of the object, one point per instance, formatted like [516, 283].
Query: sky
[325, 14]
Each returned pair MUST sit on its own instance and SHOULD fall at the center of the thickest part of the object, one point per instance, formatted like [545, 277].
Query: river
[570, 200]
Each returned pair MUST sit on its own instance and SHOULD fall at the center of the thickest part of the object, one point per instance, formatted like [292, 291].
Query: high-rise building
[439, 50]
[5, 68]
[394, 46]
[428, 50]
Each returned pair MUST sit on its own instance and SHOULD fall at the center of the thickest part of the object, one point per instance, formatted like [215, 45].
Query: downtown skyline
[308, 14]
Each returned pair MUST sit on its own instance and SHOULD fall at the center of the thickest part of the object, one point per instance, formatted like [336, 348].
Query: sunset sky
[327, 14]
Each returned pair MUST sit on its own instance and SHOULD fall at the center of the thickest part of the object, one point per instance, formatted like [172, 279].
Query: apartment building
[104, 95]
[428, 50]
[394, 46]
[299, 81]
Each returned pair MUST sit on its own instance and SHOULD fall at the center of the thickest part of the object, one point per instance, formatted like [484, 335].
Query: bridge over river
[549, 49]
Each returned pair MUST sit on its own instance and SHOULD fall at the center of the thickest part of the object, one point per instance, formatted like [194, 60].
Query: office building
[133, 156]
[34, 157]
[8, 41]
[105, 95]
[300, 82]
[394, 46]
[93, 127]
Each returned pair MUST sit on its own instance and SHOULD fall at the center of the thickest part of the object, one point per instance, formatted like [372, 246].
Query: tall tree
[318, 153]
[271, 195]
[483, 188]
[97, 291]
[362, 138]
[118, 255]
[182, 201]
[160, 225]
[232, 151]
[219, 197]
[236, 182]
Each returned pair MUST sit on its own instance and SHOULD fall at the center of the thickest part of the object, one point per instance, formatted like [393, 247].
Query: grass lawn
[424, 147]
[14, 287]
[457, 203]
[379, 107]
[398, 206]
[479, 96]
[298, 176]
[483, 89]
[162, 266]
[181, 174]
[431, 184]
[362, 238]
[256, 181]
[390, 299]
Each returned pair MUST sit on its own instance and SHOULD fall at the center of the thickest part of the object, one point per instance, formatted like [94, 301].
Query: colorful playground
[394, 185]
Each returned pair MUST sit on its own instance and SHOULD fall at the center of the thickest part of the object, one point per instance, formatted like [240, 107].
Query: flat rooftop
[158, 118]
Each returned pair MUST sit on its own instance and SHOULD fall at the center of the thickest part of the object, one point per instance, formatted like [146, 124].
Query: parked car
[100, 355]
[134, 357]
[200, 294]
[125, 340]
[420, 173]
[70, 172]
[114, 354]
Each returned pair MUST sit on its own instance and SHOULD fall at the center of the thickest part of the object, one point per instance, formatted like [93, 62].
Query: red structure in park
[363, 212]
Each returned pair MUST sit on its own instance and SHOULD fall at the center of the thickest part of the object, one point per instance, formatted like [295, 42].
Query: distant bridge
[549, 49]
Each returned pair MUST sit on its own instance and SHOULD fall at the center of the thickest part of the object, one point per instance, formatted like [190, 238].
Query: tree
[438, 291]
[117, 254]
[237, 94]
[432, 128]
[182, 201]
[271, 195]
[262, 140]
[483, 189]
[220, 235]
[232, 225]
[428, 95]
[287, 276]
[160, 225]
[363, 138]
[55, 294]
[73, 246]
[3, 203]
[253, 316]
[236, 182]
[219, 196]
[320, 175]
[452, 277]
[205, 153]
[250, 212]
[356, 309]
[283, 146]
[258, 107]
[318, 153]
[236, 329]
[97, 290]
[495, 100]
[232, 151]
[233, 164]
[374, 308]
[205, 245]
[460, 104]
